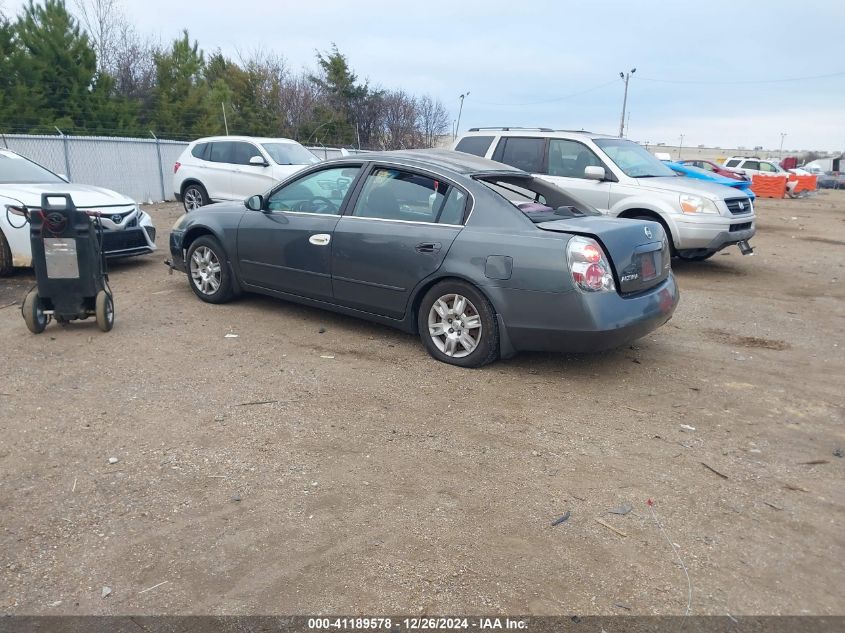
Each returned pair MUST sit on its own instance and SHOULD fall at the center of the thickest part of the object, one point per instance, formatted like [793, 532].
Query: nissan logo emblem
[647, 232]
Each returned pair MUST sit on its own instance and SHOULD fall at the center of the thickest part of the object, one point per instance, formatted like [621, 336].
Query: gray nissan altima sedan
[481, 259]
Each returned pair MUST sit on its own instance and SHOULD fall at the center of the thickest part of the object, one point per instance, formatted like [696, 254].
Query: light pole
[461, 109]
[780, 151]
[680, 147]
[627, 78]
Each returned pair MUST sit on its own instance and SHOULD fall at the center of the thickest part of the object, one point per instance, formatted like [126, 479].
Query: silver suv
[622, 179]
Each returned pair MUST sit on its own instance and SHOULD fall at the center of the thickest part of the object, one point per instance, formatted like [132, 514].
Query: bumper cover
[581, 322]
[129, 242]
[713, 237]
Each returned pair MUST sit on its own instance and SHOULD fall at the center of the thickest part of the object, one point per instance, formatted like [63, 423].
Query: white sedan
[126, 229]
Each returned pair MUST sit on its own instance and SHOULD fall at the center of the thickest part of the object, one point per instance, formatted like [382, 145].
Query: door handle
[320, 239]
[428, 247]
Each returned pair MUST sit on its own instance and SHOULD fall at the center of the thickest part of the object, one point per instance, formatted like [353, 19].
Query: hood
[84, 196]
[679, 184]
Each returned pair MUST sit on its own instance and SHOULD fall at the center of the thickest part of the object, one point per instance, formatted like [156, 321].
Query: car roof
[446, 159]
[542, 132]
[254, 139]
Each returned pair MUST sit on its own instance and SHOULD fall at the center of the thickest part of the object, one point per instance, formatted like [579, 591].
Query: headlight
[696, 204]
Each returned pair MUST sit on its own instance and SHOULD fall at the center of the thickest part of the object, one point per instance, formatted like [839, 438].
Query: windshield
[16, 169]
[633, 159]
[289, 154]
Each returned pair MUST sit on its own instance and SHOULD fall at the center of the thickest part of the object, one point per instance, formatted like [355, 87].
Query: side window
[393, 194]
[732, 163]
[242, 152]
[706, 166]
[751, 164]
[221, 152]
[452, 211]
[319, 192]
[768, 167]
[570, 158]
[523, 153]
[477, 145]
[199, 150]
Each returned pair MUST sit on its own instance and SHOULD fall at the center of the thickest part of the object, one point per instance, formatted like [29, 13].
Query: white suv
[234, 168]
[622, 179]
[752, 165]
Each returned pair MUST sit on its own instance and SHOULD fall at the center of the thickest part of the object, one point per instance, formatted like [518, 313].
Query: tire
[34, 316]
[208, 270]
[694, 257]
[194, 196]
[5, 256]
[451, 302]
[104, 311]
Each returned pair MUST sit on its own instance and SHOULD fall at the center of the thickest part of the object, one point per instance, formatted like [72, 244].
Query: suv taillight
[589, 266]
[176, 166]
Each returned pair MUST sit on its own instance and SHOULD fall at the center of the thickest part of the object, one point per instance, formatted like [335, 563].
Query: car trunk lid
[638, 253]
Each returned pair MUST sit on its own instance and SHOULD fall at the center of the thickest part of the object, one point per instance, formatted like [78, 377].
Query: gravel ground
[316, 463]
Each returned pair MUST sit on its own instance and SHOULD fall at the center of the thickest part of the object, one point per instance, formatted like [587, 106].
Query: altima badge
[647, 232]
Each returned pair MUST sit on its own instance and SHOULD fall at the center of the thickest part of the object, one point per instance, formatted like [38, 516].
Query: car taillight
[176, 166]
[589, 266]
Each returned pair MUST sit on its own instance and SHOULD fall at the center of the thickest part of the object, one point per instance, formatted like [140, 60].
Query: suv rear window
[732, 163]
[199, 150]
[526, 154]
[477, 145]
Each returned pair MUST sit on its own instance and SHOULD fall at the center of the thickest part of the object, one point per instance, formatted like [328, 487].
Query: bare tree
[432, 120]
[105, 22]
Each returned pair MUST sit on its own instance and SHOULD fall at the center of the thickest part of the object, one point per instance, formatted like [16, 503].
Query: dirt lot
[375, 479]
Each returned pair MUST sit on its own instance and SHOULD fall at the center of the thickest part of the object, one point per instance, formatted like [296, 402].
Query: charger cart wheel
[104, 311]
[34, 316]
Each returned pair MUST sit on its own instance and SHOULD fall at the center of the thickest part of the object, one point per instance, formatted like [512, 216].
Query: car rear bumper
[582, 322]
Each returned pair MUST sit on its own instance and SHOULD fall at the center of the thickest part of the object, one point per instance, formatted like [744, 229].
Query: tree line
[88, 71]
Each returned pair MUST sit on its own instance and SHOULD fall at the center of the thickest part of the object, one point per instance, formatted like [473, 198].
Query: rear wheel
[208, 270]
[33, 314]
[457, 325]
[5, 256]
[104, 311]
[193, 197]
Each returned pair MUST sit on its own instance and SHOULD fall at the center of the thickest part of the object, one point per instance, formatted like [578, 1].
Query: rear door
[288, 246]
[398, 232]
[217, 175]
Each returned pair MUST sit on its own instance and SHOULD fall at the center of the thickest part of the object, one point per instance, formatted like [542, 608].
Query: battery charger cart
[70, 267]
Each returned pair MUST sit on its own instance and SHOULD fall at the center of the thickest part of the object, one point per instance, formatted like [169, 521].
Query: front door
[566, 165]
[287, 247]
[398, 233]
[247, 179]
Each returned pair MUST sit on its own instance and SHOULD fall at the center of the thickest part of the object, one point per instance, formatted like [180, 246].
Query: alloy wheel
[454, 325]
[206, 271]
[193, 198]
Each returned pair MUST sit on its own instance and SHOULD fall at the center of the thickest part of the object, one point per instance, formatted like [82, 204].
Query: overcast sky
[704, 70]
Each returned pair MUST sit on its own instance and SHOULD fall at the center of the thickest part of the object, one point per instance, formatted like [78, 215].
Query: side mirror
[258, 160]
[255, 203]
[594, 173]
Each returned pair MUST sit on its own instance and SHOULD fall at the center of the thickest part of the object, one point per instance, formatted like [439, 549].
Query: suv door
[248, 179]
[567, 161]
[398, 233]
[217, 175]
[288, 246]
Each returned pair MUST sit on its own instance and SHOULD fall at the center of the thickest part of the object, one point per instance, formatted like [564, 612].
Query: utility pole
[225, 124]
[627, 78]
[780, 151]
[461, 109]
[680, 147]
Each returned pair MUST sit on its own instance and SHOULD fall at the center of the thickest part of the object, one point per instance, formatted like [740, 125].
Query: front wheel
[208, 270]
[457, 325]
[5, 256]
[694, 256]
[104, 311]
[33, 314]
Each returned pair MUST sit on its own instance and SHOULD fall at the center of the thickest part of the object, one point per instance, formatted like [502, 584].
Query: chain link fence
[137, 167]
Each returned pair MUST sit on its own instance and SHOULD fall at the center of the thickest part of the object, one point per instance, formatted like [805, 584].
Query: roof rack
[507, 129]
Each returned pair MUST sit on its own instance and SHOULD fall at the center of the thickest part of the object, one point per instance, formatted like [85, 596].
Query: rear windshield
[539, 200]
[476, 145]
[289, 154]
[16, 169]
